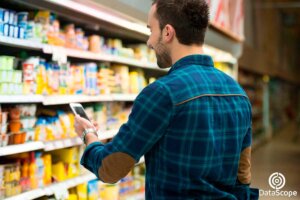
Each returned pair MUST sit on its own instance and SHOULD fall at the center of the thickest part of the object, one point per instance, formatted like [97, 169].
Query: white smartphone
[79, 110]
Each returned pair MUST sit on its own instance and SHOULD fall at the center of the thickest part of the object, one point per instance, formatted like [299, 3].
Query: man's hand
[81, 124]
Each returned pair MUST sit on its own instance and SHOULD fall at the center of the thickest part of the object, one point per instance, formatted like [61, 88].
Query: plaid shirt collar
[196, 59]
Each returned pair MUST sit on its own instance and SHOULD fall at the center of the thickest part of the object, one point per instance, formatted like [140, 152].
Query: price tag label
[47, 48]
[69, 143]
[59, 54]
[61, 192]
[59, 144]
[49, 146]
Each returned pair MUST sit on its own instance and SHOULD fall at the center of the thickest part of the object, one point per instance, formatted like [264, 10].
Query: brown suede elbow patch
[115, 166]
[244, 173]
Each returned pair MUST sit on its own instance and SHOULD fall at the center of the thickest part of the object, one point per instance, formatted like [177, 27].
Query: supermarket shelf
[226, 32]
[26, 44]
[63, 53]
[137, 63]
[103, 15]
[124, 97]
[50, 145]
[33, 194]
[50, 49]
[217, 54]
[21, 98]
[66, 52]
[64, 99]
[60, 144]
[21, 148]
[50, 190]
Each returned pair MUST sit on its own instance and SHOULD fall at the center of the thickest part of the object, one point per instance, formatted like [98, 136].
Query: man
[193, 125]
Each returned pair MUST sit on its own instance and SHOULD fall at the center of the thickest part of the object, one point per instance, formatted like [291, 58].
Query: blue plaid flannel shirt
[191, 125]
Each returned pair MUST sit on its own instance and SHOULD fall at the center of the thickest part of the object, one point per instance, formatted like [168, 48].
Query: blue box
[1, 15]
[21, 33]
[16, 32]
[4, 15]
[6, 30]
[1, 29]
[11, 31]
[12, 18]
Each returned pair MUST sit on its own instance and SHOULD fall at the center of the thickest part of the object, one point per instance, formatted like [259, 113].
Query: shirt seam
[209, 95]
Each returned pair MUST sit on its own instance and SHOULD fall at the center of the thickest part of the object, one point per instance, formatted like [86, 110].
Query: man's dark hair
[190, 18]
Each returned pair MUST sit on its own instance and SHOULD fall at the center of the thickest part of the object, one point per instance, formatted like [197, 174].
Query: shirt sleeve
[147, 123]
[247, 141]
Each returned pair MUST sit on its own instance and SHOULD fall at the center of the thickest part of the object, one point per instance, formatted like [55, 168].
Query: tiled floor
[281, 154]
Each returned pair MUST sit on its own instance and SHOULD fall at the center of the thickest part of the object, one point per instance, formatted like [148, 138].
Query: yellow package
[58, 171]
[48, 169]
[109, 192]
[82, 191]
[134, 82]
[68, 156]
[49, 133]
[73, 197]
[41, 80]
[72, 170]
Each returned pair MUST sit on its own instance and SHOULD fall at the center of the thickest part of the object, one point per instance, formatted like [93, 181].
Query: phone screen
[80, 111]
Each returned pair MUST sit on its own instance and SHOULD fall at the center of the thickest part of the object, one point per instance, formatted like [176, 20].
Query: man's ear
[168, 33]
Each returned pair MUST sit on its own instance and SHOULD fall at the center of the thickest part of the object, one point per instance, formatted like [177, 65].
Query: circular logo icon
[277, 181]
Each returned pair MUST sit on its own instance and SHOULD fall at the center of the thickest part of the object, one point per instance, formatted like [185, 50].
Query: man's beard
[162, 55]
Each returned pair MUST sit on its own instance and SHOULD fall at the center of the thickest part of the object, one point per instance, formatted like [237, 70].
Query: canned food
[12, 18]
[11, 31]
[4, 15]
[21, 33]
[16, 32]
[29, 31]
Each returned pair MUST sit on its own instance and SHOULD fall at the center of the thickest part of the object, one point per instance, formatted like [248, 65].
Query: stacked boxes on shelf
[13, 24]
[41, 77]
[36, 170]
[10, 79]
[21, 123]
[42, 26]
[17, 124]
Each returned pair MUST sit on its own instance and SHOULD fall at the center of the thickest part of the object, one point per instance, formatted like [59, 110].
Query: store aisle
[281, 154]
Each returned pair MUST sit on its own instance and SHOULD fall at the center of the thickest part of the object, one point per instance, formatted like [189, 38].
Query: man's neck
[183, 50]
